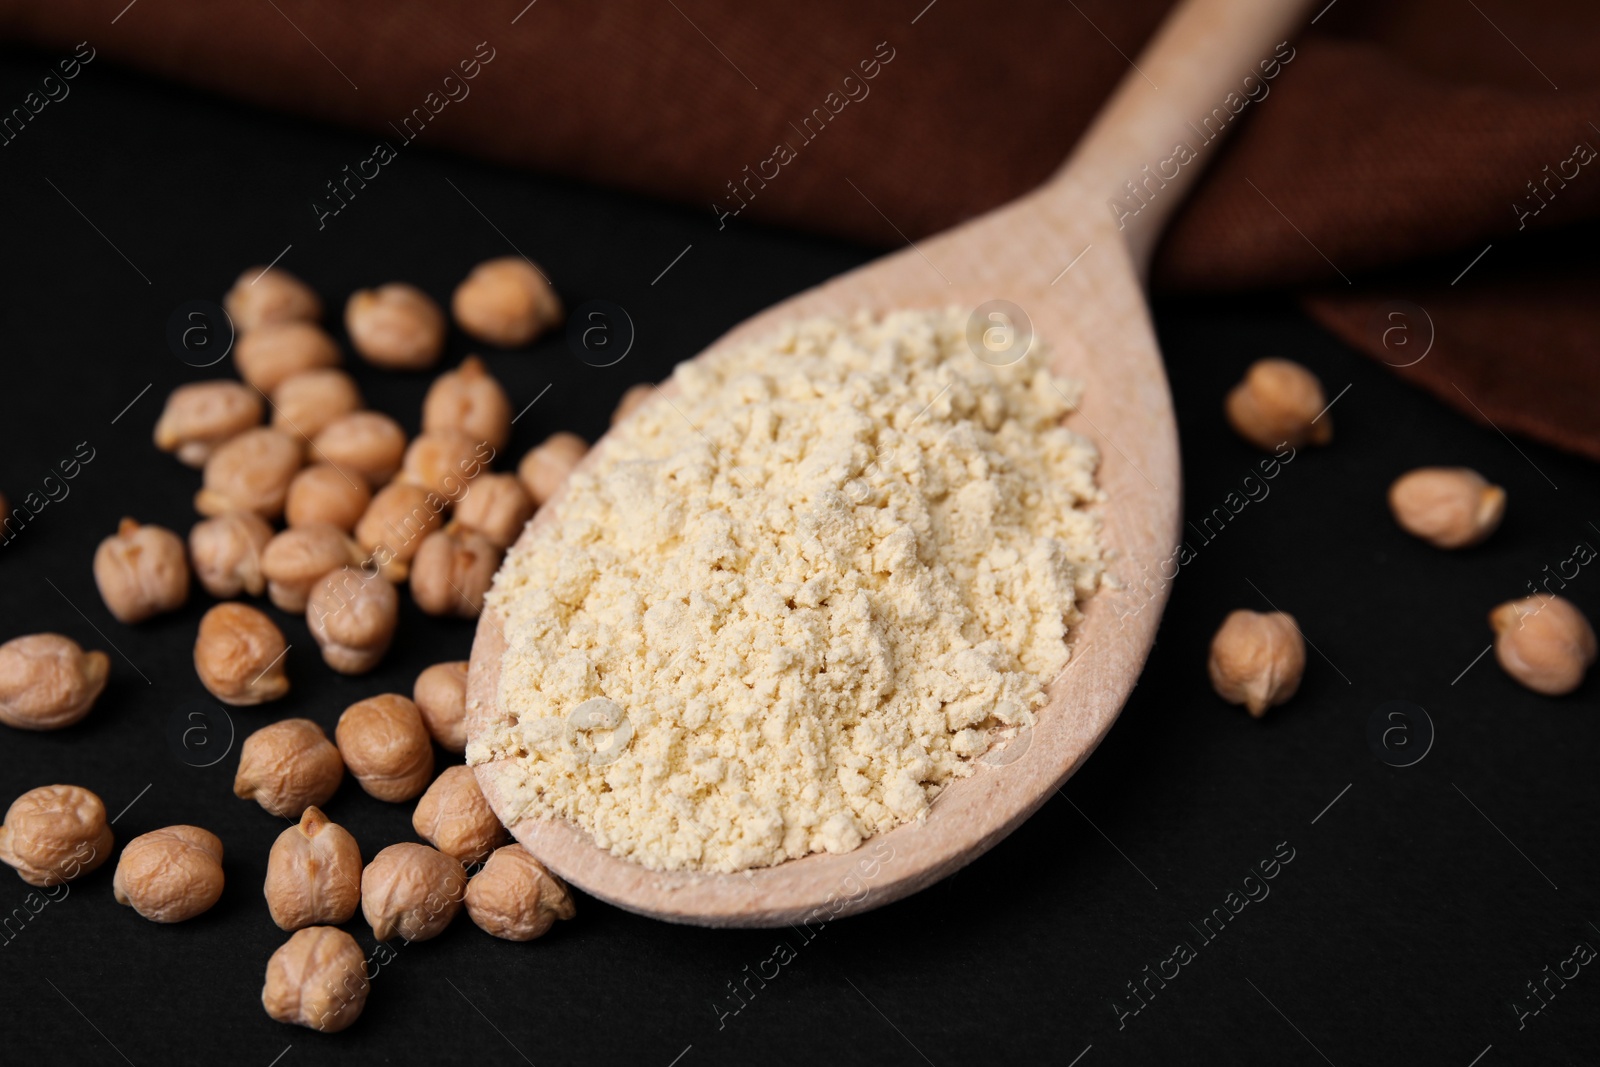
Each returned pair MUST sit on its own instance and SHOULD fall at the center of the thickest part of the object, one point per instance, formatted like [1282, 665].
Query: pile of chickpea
[364, 511]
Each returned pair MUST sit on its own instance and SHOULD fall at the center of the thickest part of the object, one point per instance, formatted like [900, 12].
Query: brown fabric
[1397, 140]
[1516, 351]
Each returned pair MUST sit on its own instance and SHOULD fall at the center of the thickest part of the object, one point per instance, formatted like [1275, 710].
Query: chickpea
[454, 817]
[505, 302]
[304, 404]
[260, 298]
[496, 506]
[270, 355]
[468, 401]
[453, 570]
[515, 897]
[239, 655]
[322, 493]
[1257, 660]
[444, 462]
[47, 682]
[548, 465]
[201, 415]
[317, 979]
[441, 695]
[1279, 402]
[141, 571]
[1449, 507]
[251, 472]
[1544, 642]
[411, 890]
[364, 444]
[385, 744]
[313, 874]
[632, 401]
[288, 768]
[296, 559]
[394, 525]
[170, 875]
[226, 552]
[55, 833]
[395, 326]
[352, 616]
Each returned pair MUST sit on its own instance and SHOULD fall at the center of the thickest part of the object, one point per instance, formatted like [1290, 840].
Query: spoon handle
[1208, 65]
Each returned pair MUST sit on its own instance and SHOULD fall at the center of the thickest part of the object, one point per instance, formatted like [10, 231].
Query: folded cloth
[1397, 145]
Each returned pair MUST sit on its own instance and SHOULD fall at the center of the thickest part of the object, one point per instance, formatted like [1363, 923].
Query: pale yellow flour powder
[795, 596]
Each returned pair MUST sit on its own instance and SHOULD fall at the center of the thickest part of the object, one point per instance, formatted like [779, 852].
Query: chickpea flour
[796, 597]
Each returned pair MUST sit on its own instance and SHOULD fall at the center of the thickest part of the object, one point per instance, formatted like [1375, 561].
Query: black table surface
[1414, 908]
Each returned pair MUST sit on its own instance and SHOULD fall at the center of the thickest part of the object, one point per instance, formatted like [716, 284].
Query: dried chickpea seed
[1544, 642]
[385, 744]
[313, 874]
[47, 682]
[288, 767]
[1448, 507]
[322, 493]
[547, 465]
[317, 979]
[226, 552]
[411, 890]
[440, 694]
[454, 817]
[1257, 660]
[200, 416]
[396, 326]
[1279, 402]
[170, 875]
[270, 355]
[141, 571]
[496, 506]
[394, 525]
[239, 655]
[352, 616]
[299, 557]
[263, 296]
[469, 401]
[363, 444]
[54, 834]
[453, 570]
[505, 302]
[515, 897]
[444, 462]
[250, 472]
[631, 401]
[304, 404]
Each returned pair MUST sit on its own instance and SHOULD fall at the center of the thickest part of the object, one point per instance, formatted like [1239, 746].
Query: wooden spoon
[1072, 256]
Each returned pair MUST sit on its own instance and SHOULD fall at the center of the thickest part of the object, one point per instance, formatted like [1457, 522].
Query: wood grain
[1060, 256]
